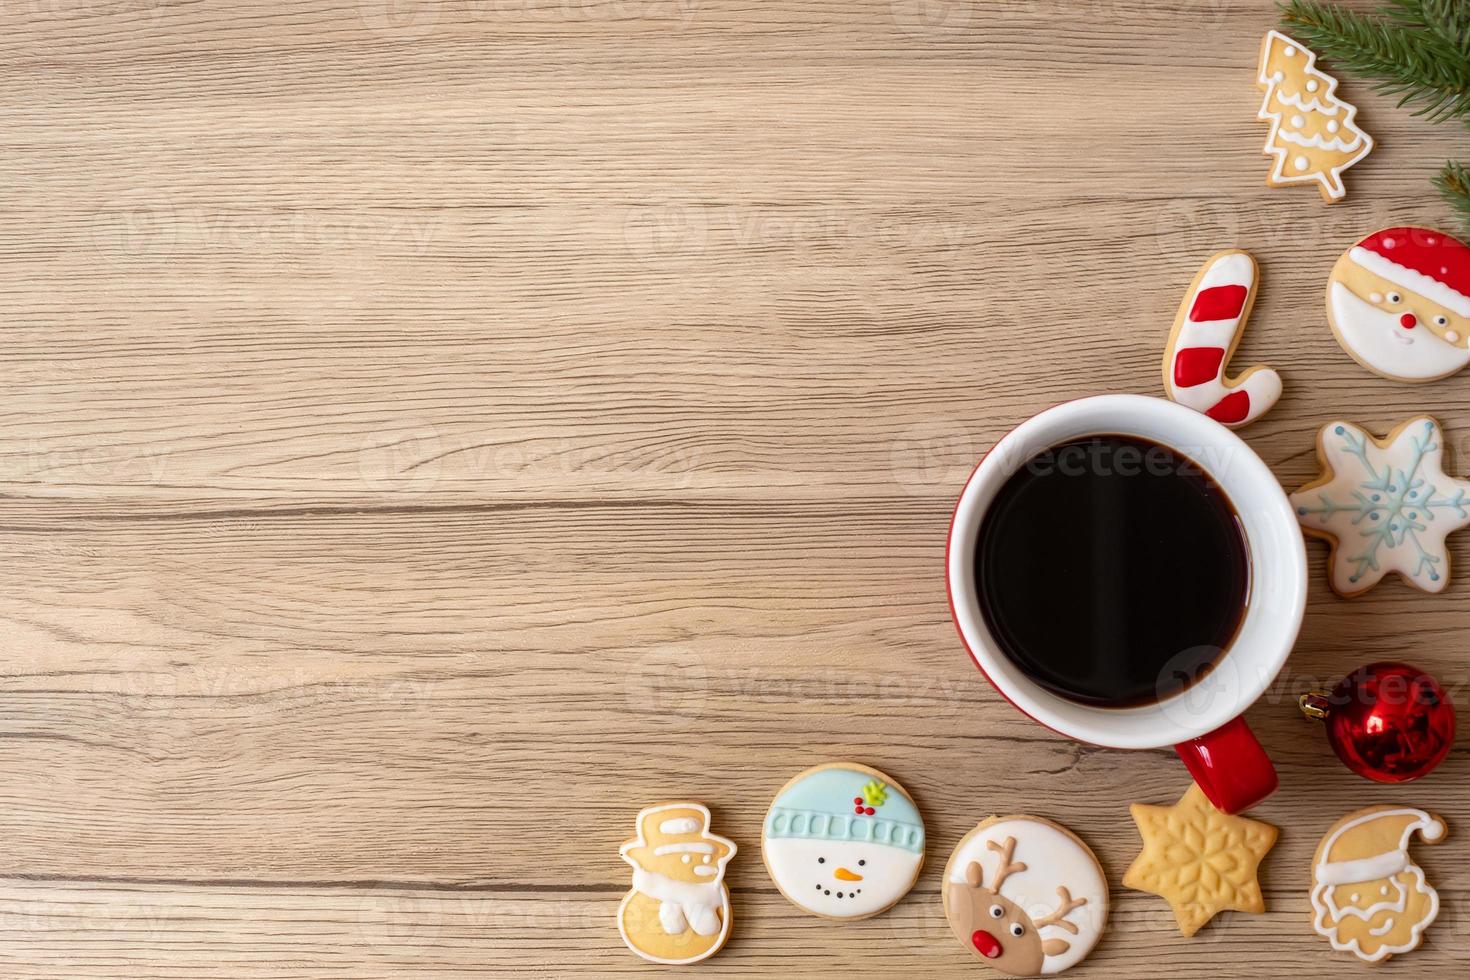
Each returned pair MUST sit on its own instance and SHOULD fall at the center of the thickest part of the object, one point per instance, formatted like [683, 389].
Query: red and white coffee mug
[1203, 722]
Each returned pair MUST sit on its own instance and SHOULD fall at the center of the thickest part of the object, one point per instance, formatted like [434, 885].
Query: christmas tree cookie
[1313, 134]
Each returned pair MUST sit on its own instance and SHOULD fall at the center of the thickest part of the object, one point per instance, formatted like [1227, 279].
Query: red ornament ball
[1388, 722]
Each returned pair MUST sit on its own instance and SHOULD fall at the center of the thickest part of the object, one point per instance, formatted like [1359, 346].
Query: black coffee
[1112, 570]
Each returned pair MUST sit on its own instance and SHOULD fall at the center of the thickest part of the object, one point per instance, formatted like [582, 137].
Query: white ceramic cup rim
[1278, 589]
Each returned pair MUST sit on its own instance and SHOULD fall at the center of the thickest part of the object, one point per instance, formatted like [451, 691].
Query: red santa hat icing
[1421, 261]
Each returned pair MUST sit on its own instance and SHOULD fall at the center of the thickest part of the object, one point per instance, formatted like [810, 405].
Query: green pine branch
[1454, 186]
[1449, 20]
[1418, 50]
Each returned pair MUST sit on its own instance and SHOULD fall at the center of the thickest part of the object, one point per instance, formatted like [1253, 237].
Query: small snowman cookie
[1369, 898]
[1399, 303]
[679, 908]
[843, 841]
[1026, 896]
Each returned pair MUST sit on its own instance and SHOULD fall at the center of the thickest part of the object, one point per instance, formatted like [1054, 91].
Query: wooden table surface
[432, 432]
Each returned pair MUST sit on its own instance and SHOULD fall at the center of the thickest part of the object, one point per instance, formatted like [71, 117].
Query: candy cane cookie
[1206, 331]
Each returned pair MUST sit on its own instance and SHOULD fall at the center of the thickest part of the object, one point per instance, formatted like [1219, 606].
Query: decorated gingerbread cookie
[1207, 329]
[1314, 135]
[1368, 896]
[1399, 303]
[1025, 896]
[1385, 505]
[679, 908]
[1199, 860]
[843, 841]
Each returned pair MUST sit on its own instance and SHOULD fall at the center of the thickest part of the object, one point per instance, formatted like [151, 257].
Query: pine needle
[1454, 186]
[1418, 50]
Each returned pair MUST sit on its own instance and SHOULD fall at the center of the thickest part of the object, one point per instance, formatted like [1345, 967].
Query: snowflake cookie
[1385, 505]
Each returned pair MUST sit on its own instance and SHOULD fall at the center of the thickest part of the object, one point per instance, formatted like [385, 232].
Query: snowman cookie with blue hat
[843, 841]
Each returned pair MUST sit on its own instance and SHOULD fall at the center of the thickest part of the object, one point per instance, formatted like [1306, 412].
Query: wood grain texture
[433, 431]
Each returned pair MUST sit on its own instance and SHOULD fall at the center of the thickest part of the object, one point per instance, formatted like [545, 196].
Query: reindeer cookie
[1026, 896]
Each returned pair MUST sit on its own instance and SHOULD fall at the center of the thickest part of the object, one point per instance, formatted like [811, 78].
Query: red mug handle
[1230, 766]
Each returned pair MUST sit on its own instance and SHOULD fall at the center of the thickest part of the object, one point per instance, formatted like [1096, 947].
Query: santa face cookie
[679, 908]
[1025, 896]
[1399, 303]
[1368, 897]
[843, 841]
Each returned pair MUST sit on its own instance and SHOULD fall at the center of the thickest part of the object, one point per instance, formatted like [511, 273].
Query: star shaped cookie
[1199, 860]
[1385, 505]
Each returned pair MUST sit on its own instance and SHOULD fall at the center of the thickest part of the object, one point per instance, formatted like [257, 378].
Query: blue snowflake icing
[1381, 500]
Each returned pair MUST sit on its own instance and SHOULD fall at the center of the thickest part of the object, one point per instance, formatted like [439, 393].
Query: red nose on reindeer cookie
[1399, 303]
[1026, 896]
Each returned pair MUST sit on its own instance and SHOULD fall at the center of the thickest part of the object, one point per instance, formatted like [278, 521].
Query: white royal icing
[1389, 509]
[663, 849]
[1411, 279]
[1052, 858]
[686, 905]
[700, 907]
[1296, 101]
[887, 874]
[1318, 142]
[1263, 387]
[1328, 876]
[1376, 338]
[1323, 103]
